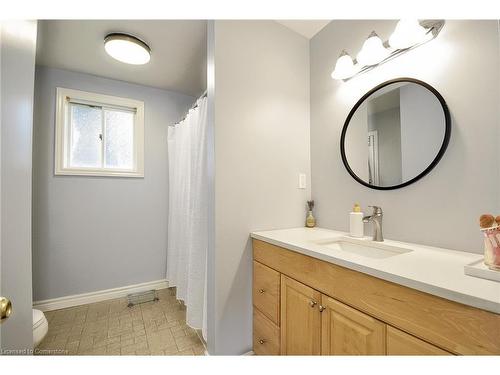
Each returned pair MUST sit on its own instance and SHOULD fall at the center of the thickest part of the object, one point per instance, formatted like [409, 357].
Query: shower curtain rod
[192, 107]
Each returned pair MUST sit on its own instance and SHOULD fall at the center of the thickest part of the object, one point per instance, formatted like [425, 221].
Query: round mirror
[395, 134]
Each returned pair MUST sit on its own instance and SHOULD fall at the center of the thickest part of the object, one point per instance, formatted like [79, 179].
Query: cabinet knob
[321, 308]
[261, 291]
[312, 303]
[262, 342]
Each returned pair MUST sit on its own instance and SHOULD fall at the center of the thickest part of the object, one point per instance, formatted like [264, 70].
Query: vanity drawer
[266, 291]
[266, 335]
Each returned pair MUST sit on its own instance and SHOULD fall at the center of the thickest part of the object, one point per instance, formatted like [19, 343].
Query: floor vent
[142, 297]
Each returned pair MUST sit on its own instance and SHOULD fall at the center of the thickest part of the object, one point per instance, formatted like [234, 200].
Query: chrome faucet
[376, 219]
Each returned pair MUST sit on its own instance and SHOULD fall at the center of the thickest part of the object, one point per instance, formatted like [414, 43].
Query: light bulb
[344, 68]
[373, 50]
[408, 33]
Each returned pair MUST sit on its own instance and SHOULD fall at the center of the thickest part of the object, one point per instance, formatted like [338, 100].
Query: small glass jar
[492, 247]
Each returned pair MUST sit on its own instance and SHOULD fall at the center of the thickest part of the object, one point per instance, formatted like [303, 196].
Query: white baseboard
[98, 296]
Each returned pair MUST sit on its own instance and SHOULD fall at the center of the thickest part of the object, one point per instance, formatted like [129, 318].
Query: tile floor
[112, 328]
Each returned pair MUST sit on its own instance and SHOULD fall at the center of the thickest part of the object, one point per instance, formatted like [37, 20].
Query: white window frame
[62, 144]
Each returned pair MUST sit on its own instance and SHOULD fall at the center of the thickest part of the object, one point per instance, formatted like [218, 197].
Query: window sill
[98, 173]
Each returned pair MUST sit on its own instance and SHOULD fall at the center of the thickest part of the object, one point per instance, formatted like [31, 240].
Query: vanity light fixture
[127, 48]
[345, 67]
[408, 34]
[373, 50]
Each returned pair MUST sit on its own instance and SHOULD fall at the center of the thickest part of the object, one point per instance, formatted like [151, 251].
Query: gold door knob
[313, 303]
[321, 308]
[261, 291]
[5, 308]
[262, 342]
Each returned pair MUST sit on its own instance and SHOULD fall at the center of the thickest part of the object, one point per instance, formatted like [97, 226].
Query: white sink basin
[363, 247]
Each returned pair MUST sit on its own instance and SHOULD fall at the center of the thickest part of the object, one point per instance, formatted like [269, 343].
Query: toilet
[40, 327]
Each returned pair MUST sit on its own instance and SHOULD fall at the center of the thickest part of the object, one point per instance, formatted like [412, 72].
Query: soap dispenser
[356, 222]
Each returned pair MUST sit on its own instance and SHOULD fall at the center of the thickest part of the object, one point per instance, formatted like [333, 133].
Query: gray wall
[95, 233]
[17, 68]
[261, 145]
[421, 131]
[443, 208]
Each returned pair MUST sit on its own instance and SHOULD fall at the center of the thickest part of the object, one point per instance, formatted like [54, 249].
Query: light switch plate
[302, 181]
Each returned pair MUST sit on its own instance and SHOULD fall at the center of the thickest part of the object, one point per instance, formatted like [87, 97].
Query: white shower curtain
[188, 213]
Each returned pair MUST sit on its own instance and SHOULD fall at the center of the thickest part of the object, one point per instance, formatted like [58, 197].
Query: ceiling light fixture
[127, 48]
[407, 35]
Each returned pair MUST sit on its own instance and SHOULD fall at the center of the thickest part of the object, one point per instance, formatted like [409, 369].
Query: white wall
[442, 209]
[95, 233]
[17, 68]
[261, 145]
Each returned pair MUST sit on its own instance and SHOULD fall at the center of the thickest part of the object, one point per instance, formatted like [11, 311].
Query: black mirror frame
[439, 155]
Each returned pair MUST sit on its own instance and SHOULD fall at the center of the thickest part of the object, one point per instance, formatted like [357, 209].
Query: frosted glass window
[119, 139]
[98, 135]
[85, 133]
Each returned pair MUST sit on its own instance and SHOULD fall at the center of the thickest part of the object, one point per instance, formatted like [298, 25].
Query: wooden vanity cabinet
[305, 306]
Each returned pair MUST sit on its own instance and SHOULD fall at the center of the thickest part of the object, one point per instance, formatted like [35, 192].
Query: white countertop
[432, 270]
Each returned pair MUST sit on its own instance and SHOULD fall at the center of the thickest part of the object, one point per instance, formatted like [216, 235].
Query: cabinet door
[300, 318]
[347, 331]
[401, 343]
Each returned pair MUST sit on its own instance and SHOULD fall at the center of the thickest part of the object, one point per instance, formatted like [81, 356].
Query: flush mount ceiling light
[127, 48]
[373, 50]
[408, 34]
[345, 67]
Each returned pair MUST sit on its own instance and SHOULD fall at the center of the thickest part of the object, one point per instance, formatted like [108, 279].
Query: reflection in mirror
[395, 135]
